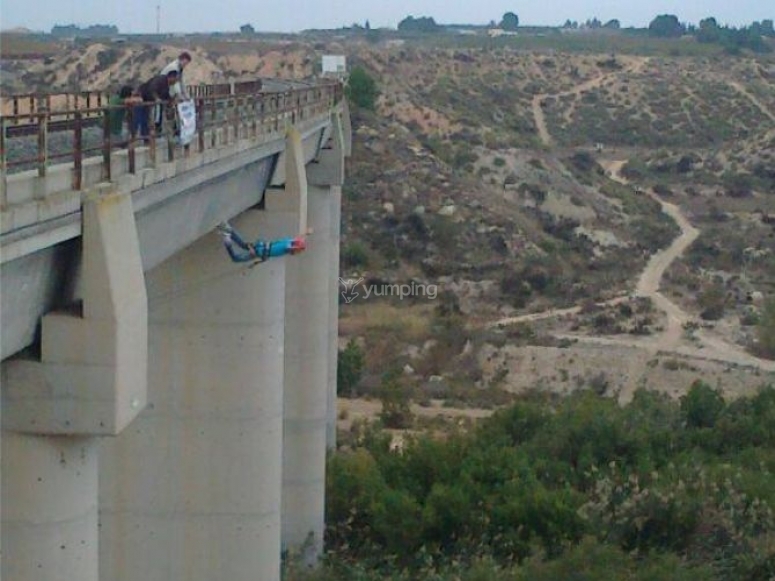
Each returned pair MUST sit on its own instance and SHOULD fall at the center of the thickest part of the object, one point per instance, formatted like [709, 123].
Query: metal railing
[239, 110]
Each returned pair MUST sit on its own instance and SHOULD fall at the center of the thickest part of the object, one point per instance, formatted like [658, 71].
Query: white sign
[334, 64]
[187, 120]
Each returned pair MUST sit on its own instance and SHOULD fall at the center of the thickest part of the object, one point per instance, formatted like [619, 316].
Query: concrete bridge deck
[148, 383]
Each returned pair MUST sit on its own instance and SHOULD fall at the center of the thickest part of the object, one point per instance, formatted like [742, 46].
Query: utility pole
[158, 19]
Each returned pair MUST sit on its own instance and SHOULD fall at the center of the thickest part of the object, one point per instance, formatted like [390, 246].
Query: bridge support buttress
[89, 381]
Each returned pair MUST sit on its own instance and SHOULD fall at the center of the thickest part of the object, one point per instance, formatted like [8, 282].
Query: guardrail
[244, 110]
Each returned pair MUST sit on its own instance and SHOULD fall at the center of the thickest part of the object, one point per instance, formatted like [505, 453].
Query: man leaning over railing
[152, 91]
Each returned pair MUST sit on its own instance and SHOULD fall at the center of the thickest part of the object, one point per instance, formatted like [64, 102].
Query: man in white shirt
[179, 64]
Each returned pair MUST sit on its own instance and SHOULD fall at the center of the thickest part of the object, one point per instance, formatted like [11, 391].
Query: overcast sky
[295, 15]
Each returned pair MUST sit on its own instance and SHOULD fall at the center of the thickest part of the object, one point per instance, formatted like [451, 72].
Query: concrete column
[335, 202]
[49, 503]
[306, 385]
[90, 380]
[193, 490]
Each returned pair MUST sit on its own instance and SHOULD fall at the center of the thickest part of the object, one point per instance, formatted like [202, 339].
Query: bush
[766, 330]
[362, 89]
[355, 255]
[396, 413]
[702, 405]
[349, 369]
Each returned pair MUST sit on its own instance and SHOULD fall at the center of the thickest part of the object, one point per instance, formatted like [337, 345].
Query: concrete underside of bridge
[182, 437]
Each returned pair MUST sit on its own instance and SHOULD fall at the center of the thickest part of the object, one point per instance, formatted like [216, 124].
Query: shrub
[355, 255]
[362, 89]
[349, 369]
[702, 405]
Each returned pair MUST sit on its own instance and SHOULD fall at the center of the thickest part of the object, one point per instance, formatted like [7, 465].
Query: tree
[421, 24]
[708, 31]
[510, 21]
[362, 89]
[666, 26]
[613, 24]
[767, 330]
[247, 29]
[349, 369]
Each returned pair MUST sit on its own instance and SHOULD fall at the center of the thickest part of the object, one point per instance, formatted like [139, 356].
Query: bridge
[166, 412]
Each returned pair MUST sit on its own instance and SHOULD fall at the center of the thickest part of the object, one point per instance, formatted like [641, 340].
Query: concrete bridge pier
[308, 342]
[89, 381]
[192, 491]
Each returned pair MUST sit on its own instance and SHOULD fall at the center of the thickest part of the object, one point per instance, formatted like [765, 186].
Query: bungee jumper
[260, 250]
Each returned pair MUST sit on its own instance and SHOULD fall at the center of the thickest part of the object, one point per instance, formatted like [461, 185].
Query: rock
[389, 208]
[447, 210]
[435, 379]
[429, 344]
[412, 351]
[468, 348]
[408, 369]
[419, 210]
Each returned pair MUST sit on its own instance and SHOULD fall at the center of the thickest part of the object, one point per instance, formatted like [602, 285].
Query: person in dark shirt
[156, 89]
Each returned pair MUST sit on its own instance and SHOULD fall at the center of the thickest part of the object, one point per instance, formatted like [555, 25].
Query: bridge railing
[225, 113]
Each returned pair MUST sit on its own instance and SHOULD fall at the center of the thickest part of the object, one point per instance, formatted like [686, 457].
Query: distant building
[496, 32]
[334, 65]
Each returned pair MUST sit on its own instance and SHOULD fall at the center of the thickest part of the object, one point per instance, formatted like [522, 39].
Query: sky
[138, 16]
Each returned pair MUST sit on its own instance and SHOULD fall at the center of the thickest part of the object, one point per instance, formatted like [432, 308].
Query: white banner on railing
[187, 120]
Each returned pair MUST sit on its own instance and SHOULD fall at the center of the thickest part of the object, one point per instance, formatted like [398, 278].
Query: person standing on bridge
[156, 89]
[260, 250]
[179, 64]
[117, 106]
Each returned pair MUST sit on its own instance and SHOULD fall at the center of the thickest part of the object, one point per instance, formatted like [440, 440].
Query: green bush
[767, 330]
[361, 89]
[355, 255]
[349, 369]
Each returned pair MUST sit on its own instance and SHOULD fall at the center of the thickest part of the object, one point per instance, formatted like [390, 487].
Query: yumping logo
[351, 287]
[350, 293]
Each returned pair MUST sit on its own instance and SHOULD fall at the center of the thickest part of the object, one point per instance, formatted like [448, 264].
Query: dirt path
[753, 99]
[703, 344]
[538, 100]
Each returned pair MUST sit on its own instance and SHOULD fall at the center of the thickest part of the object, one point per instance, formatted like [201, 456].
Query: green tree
[349, 369]
[702, 406]
[396, 412]
[362, 89]
[666, 26]
[510, 21]
[421, 24]
[247, 29]
[767, 330]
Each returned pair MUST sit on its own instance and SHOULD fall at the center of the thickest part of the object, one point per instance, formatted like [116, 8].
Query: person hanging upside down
[260, 250]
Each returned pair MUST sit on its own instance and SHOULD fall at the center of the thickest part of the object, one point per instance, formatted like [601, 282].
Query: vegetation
[362, 89]
[349, 369]
[576, 489]
[767, 330]
[510, 21]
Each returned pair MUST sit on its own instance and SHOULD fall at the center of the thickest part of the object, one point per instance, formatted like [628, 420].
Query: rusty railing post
[236, 119]
[78, 151]
[254, 121]
[214, 119]
[42, 143]
[106, 146]
[152, 143]
[200, 122]
[167, 125]
[3, 165]
[130, 146]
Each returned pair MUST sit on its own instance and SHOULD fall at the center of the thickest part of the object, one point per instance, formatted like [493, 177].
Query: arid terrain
[591, 220]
